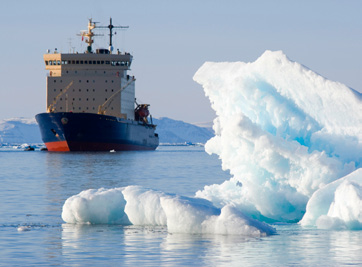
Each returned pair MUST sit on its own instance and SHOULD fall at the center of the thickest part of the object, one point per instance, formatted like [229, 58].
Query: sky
[170, 40]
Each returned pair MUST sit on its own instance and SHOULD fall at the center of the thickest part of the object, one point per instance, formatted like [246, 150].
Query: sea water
[35, 185]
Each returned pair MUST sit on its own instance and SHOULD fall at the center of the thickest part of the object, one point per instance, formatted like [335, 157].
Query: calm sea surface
[34, 186]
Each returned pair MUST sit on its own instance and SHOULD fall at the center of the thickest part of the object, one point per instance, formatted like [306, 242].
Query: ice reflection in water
[154, 246]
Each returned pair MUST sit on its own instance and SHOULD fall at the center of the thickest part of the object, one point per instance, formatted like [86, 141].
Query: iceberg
[284, 132]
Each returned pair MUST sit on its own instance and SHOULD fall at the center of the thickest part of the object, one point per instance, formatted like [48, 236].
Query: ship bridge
[59, 64]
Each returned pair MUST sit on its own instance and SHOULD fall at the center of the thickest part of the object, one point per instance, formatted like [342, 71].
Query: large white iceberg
[284, 132]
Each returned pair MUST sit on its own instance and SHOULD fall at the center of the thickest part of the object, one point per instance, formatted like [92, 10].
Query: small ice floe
[23, 228]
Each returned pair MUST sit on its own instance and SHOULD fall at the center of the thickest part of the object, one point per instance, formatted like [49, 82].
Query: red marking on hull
[60, 146]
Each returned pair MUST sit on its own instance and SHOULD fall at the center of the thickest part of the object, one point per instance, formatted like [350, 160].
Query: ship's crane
[102, 109]
[51, 107]
[110, 27]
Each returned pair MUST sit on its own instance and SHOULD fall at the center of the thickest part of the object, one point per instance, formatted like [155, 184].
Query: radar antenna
[89, 35]
[110, 27]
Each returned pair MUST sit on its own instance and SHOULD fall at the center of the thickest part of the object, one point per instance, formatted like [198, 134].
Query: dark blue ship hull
[67, 131]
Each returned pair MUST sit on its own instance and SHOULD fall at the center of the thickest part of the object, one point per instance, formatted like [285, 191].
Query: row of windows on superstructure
[80, 90]
[80, 99]
[86, 81]
[87, 108]
[88, 62]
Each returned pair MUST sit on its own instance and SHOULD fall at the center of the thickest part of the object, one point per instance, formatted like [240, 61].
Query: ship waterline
[67, 131]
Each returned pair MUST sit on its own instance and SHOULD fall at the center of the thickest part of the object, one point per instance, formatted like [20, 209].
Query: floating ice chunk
[96, 207]
[23, 228]
[282, 130]
[338, 205]
[140, 206]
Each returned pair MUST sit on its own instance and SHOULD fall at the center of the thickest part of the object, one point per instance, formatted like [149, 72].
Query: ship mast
[89, 35]
[110, 27]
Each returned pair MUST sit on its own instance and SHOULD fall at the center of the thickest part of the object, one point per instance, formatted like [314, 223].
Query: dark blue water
[34, 186]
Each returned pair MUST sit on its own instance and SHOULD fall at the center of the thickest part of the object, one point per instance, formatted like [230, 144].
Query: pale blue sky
[170, 40]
